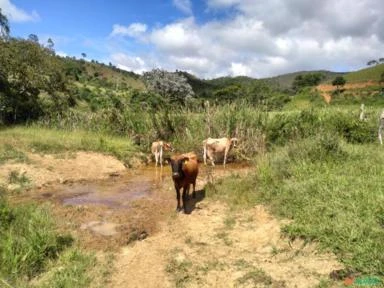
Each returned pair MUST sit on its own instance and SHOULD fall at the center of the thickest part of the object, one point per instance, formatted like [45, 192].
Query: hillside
[286, 80]
[366, 74]
[98, 74]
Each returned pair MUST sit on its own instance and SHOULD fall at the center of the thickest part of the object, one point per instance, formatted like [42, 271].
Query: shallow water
[147, 182]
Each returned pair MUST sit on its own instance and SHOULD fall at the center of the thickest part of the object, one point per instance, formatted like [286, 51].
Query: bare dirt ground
[62, 168]
[153, 246]
[214, 247]
[327, 89]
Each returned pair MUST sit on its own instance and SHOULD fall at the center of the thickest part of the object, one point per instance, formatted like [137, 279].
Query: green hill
[366, 74]
[285, 80]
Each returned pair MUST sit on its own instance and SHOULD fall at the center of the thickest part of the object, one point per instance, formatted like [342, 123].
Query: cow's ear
[185, 160]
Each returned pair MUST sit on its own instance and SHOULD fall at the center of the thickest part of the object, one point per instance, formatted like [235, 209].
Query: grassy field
[366, 74]
[17, 140]
[316, 165]
[332, 191]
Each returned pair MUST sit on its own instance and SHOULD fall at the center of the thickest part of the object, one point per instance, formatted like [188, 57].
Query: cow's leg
[178, 208]
[225, 155]
[157, 157]
[210, 156]
[185, 191]
[205, 155]
[194, 190]
[380, 136]
[161, 156]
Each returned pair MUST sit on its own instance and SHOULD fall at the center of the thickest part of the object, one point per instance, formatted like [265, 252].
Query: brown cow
[184, 172]
[157, 149]
[220, 145]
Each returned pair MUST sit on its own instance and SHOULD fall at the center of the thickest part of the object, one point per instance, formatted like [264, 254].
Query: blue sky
[209, 38]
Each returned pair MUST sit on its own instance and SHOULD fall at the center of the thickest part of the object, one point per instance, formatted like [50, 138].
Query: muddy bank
[62, 168]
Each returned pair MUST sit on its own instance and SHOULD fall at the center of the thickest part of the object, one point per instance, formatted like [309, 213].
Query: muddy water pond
[107, 213]
[120, 191]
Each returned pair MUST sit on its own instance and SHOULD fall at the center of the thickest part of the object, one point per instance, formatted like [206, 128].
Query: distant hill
[286, 80]
[367, 74]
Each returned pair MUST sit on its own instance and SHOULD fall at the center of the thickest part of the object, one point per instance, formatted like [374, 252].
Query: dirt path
[214, 247]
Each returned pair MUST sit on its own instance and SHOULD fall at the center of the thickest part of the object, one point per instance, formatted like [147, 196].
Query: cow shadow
[191, 202]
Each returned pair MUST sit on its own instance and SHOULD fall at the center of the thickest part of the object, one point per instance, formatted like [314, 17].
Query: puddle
[120, 192]
[117, 192]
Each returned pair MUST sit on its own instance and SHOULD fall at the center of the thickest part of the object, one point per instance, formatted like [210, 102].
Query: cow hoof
[178, 209]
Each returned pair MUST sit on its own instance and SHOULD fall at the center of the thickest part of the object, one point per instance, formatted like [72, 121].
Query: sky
[208, 38]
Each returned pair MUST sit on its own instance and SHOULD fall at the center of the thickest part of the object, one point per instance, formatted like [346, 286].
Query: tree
[307, 80]
[4, 26]
[381, 60]
[50, 44]
[339, 82]
[33, 38]
[32, 82]
[172, 87]
[371, 62]
[83, 55]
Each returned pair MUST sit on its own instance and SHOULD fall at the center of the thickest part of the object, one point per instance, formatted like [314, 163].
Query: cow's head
[177, 163]
[234, 142]
[168, 146]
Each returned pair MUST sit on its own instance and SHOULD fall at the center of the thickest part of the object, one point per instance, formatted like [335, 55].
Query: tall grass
[332, 190]
[27, 241]
[43, 140]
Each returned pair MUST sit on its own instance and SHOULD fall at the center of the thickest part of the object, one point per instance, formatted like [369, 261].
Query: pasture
[316, 172]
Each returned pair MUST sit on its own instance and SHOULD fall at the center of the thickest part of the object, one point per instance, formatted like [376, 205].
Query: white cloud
[267, 38]
[16, 14]
[239, 69]
[184, 5]
[130, 63]
[177, 38]
[133, 30]
[61, 53]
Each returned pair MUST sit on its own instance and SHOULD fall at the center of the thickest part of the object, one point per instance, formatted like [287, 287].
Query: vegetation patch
[27, 241]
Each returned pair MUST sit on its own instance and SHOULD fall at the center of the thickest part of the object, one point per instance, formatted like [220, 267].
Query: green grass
[366, 74]
[50, 141]
[8, 152]
[27, 241]
[70, 271]
[332, 190]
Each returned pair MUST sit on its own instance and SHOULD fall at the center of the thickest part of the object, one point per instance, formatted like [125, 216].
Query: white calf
[157, 149]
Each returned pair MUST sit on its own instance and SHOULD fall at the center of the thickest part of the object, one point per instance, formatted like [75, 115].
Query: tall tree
[4, 26]
[339, 82]
[50, 44]
[172, 87]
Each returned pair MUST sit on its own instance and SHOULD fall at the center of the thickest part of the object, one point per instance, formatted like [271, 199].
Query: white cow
[213, 146]
[157, 149]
